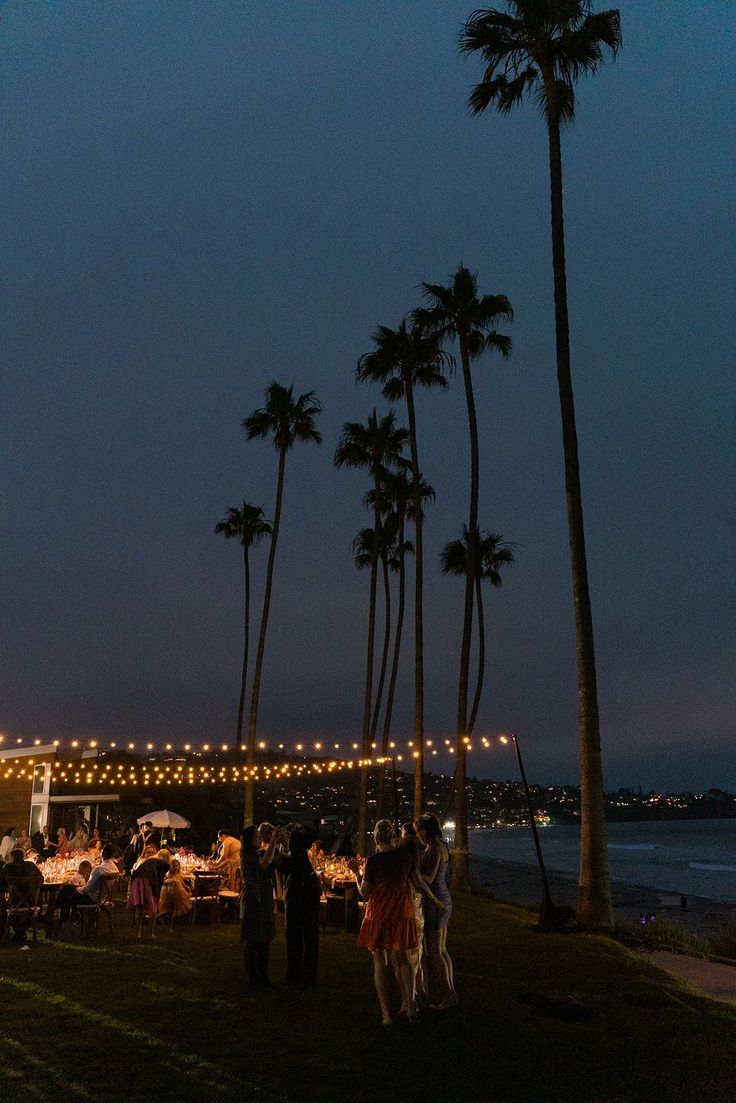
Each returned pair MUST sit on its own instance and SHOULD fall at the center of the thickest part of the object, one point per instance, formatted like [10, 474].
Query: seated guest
[7, 843]
[176, 897]
[318, 855]
[62, 843]
[229, 860]
[70, 896]
[82, 875]
[27, 876]
[95, 842]
[24, 841]
[79, 839]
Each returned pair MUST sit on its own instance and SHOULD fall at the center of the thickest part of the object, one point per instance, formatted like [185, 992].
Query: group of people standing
[268, 852]
[408, 906]
[405, 886]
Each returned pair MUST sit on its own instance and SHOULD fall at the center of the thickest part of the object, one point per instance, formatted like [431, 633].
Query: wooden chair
[89, 914]
[230, 898]
[206, 894]
[22, 905]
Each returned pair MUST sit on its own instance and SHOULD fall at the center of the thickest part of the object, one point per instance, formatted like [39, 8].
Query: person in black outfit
[151, 835]
[302, 892]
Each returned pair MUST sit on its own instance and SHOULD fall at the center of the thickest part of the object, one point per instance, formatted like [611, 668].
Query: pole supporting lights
[551, 918]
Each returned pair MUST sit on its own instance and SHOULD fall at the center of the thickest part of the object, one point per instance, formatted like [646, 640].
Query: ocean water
[694, 857]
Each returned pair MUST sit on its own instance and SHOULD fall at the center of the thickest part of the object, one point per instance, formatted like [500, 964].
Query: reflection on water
[695, 857]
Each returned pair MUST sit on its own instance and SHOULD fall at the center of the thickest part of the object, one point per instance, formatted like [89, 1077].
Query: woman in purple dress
[434, 870]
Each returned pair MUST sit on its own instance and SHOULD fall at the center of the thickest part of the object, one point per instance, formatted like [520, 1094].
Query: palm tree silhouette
[456, 313]
[247, 525]
[492, 554]
[541, 48]
[377, 446]
[402, 360]
[286, 421]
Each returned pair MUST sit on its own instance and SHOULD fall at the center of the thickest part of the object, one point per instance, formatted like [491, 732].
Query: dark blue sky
[198, 198]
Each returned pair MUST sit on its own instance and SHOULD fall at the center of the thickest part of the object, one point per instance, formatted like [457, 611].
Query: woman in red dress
[389, 927]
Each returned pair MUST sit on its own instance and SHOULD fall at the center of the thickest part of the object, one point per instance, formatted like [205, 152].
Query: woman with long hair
[258, 927]
[434, 868]
[389, 928]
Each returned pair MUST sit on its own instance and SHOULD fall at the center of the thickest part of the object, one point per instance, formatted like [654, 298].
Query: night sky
[198, 198]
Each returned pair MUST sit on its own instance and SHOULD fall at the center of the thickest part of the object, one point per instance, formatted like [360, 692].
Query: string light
[153, 769]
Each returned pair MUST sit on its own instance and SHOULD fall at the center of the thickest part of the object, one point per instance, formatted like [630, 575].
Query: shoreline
[519, 883]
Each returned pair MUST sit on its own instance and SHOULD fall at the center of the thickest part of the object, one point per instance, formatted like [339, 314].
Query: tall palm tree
[541, 48]
[457, 313]
[402, 360]
[377, 446]
[286, 421]
[397, 492]
[247, 525]
[493, 553]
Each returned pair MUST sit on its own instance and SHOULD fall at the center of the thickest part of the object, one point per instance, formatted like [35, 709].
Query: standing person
[302, 892]
[229, 857]
[42, 841]
[389, 928]
[434, 869]
[146, 880]
[151, 835]
[7, 843]
[258, 926]
[133, 850]
[410, 839]
[265, 832]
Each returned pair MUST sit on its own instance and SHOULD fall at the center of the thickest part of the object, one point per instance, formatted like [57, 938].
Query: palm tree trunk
[594, 890]
[386, 734]
[244, 675]
[385, 651]
[250, 788]
[481, 655]
[368, 697]
[461, 857]
[418, 619]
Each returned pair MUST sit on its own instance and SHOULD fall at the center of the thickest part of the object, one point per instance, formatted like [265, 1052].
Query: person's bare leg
[438, 967]
[405, 975]
[380, 977]
[446, 957]
[442, 943]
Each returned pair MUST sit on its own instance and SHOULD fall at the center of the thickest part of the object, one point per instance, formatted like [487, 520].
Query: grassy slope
[170, 1020]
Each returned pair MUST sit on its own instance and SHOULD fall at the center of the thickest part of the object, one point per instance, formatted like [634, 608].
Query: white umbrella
[164, 819]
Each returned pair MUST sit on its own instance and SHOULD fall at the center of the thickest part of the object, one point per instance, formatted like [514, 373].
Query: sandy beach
[517, 883]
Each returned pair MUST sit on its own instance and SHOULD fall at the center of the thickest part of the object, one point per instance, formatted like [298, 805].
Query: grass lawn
[170, 1019]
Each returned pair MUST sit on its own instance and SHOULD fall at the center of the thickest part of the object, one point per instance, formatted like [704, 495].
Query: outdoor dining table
[346, 888]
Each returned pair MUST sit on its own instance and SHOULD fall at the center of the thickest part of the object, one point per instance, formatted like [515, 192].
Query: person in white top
[7, 843]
